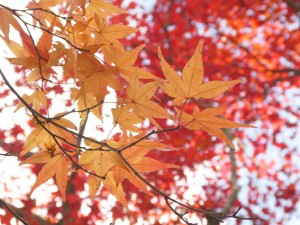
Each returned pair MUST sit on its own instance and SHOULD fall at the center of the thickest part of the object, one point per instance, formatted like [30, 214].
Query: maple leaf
[44, 132]
[23, 55]
[107, 163]
[87, 101]
[47, 3]
[136, 157]
[98, 82]
[44, 16]
[9, 20]
[190, 84]
[58, 52]
[100, 160]
[86, 65]
[73, 5]
[140, 95]
[126, 118]
[102, 8]
[37, 99]
[115, 189]
[32, 57]
[38, 157]
[208, 121]
[124, 61]
[58, 166]
[106, 34]
[79, 34]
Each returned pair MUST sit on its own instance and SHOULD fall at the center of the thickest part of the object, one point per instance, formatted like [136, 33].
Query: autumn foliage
[171, 112]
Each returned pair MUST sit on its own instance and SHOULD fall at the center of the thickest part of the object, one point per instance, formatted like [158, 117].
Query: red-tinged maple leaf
[23, 55]
[32, 57]
[58, 166]
[190, 84]
[9, 20]
[209, 121]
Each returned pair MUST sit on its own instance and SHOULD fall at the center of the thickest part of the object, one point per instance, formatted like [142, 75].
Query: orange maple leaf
[9, 20]
[37, 99]
[42, 135]
[124, 61]
[209, 121]
[136, 157]
[109, 34]
[140, 95]
[100, 160]
[190, 84]
[126, 119]
[102, 8]
[58, 166]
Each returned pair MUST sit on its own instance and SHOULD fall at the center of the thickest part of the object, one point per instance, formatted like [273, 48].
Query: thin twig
[3, 203]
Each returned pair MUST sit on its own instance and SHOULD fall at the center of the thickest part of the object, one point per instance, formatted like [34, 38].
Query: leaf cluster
[82, 47]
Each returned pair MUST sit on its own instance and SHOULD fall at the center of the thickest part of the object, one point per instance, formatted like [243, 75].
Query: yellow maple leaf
[30, 56]
[190, 84]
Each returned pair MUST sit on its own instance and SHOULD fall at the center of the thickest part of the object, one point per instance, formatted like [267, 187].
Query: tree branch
[4, 205]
